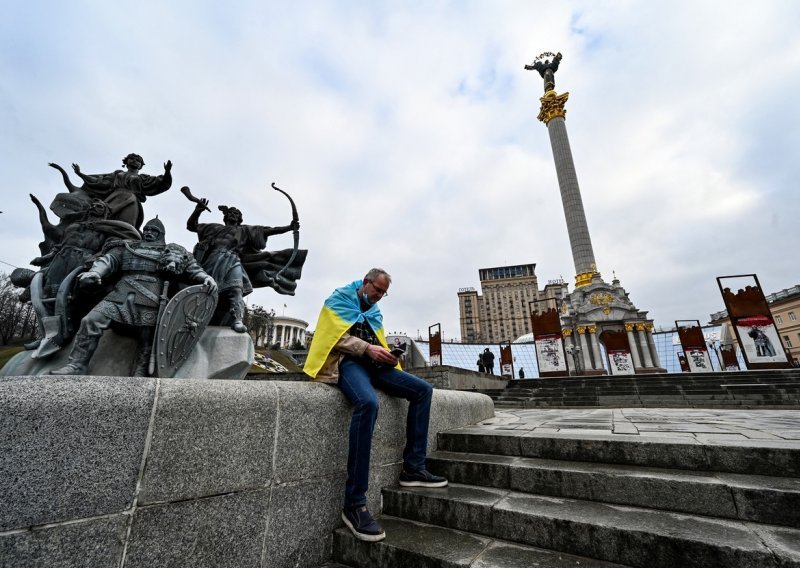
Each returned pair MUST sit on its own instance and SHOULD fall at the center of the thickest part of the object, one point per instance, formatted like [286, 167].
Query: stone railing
[124, 472]
[447, 377]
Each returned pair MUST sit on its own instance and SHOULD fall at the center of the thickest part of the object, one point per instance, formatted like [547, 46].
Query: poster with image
[698, 360]
[621, 362]
[549, 354]
[759, 339]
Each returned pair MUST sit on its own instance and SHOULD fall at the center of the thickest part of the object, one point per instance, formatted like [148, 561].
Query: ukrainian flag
[340, 311]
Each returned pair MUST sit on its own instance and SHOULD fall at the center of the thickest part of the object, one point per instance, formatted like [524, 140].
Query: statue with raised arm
[546, 68]
[233, 253]
[123, 190]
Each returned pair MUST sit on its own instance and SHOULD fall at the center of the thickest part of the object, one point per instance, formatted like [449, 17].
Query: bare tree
[17, 319]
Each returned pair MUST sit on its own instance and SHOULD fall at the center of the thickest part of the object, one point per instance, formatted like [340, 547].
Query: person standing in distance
[349, 349]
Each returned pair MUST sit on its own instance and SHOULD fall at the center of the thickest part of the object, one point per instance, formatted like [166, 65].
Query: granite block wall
[129, 472]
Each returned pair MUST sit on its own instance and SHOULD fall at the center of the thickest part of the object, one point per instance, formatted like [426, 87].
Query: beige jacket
[347, 345]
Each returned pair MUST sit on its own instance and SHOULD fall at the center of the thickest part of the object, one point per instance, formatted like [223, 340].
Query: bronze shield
[180, 327]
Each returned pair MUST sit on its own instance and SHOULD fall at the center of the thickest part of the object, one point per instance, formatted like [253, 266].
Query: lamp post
[712, 345]
[270, 315]
[575, 351]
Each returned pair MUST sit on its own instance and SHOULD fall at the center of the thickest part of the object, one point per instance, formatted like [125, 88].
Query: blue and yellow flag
[341, 310]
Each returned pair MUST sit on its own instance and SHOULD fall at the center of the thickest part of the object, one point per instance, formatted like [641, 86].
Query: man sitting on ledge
[349, 349]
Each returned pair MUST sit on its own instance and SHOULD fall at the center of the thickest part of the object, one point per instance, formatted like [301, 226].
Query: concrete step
[414, 544]
[614, 533]
[763, 499]
[752, 458]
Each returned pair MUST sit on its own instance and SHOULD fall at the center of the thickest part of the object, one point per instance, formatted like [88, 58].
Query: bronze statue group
[97, 270]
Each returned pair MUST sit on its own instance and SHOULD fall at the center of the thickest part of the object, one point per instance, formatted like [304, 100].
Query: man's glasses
[382, 291]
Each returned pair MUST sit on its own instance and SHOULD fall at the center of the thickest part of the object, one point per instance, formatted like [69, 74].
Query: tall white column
[651, 342]
[587, 362]
[642, 333]
[595, 347]
[634, 345]
[553, 114]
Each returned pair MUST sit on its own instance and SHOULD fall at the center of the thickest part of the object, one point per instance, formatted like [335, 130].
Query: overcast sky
[407, 134]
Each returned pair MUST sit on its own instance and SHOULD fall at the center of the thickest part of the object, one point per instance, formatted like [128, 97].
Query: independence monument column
[601, 314]
[553, 114]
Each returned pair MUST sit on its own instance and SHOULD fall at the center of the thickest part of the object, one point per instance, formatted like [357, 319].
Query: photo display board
[752, 322]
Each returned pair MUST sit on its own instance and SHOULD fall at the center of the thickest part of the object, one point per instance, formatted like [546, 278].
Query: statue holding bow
[233, 254]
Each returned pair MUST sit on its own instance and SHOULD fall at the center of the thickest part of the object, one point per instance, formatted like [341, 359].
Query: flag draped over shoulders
[340, 311]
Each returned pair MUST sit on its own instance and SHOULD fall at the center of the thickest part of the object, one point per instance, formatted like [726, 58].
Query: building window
[792, 317]
[787, 341]
[778, 319]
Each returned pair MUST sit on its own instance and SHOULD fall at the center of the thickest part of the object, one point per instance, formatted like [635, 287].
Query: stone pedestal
[221, 354]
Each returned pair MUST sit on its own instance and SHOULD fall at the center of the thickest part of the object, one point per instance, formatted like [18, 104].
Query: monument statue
[233, 254]
[146, 268]
[546, 68]
[123, 190]
[69, 246]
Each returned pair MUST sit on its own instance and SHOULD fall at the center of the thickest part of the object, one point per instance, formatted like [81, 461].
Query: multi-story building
[785, 308]
[501, 312]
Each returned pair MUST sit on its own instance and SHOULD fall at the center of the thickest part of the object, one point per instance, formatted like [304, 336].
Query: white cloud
[407, 134]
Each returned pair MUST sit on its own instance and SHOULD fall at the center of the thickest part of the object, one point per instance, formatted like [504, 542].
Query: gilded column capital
[581, 329]
[552, 106]
[592, 329]
[630, 326]
[566, 332]
[641, 326]
[649, 327]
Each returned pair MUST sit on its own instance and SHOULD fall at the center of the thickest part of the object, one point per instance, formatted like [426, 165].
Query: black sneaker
[421, 478]
[362, 525]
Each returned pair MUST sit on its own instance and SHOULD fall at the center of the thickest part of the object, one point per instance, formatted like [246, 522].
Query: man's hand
[168, 166]
[77, 168]
[211, 284]
[381, 355]
[90, 277]
[295, 225]
[202, 204]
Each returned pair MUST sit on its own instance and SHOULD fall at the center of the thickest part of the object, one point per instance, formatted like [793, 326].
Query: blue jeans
[358, 381]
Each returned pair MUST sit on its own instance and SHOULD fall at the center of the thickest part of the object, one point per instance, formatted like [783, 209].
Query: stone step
[763, 499]
[614, 533]
[762, 457]
[419, 545]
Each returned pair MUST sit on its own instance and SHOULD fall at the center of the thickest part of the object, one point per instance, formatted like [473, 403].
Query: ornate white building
[287, 331]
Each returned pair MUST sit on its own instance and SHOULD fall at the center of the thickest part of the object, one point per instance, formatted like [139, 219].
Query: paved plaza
[703, 425]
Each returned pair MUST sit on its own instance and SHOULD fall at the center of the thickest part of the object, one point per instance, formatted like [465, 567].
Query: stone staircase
[744, 389]
[520, 500]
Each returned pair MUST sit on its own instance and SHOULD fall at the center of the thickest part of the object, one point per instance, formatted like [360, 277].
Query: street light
[270, 325]
[712, 345]
[574, 351]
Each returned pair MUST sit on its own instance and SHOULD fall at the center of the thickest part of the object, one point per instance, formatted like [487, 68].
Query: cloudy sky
[407, 134]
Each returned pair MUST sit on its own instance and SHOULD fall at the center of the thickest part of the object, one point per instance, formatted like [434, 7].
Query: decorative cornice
[552, 106]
